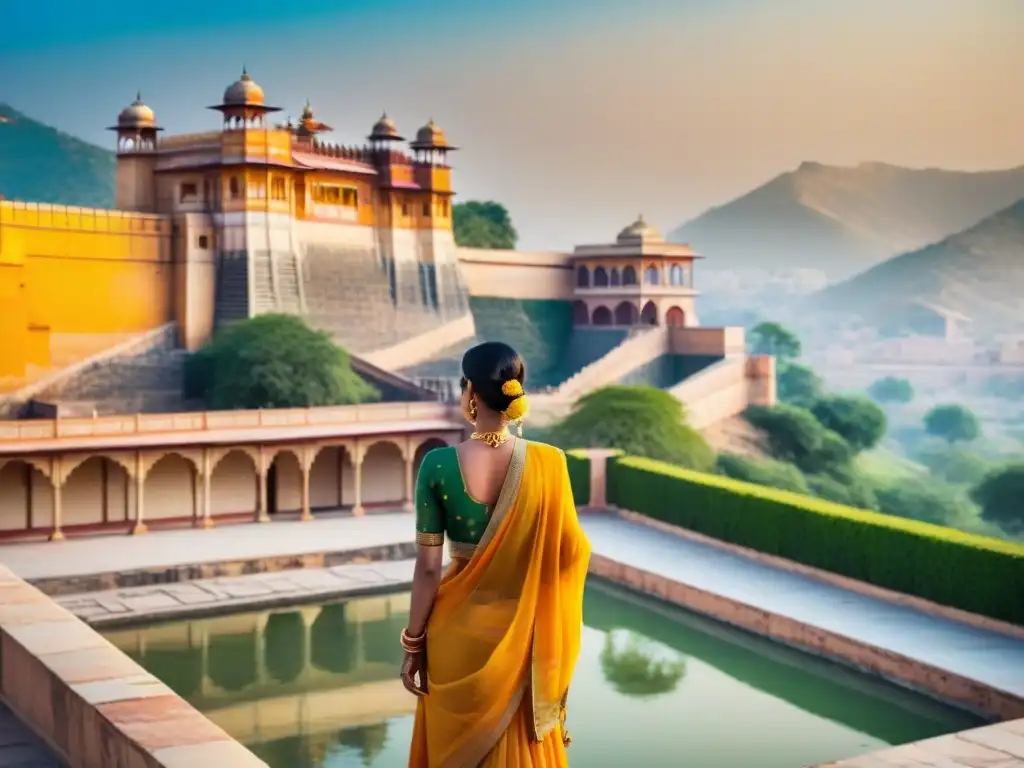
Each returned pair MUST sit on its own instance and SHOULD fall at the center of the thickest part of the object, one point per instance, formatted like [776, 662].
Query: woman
[490, 647]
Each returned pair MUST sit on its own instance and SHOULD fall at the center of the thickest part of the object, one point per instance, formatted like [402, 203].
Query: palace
[217, 226]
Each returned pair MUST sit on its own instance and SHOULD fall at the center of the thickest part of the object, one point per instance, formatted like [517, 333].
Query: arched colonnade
[627, 314]
[93, 490]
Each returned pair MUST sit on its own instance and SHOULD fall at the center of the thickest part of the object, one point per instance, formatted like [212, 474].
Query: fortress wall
[516, 274]
[75, 281]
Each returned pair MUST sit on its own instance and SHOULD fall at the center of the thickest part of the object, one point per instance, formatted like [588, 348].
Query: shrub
[953, 464]
[857, 420]
[952, 423]
[796, 436]
[274, 361]
[641, 421]
[1001, 498]
[940, 564]
[892, 390]
[768, 472]
[579, 476]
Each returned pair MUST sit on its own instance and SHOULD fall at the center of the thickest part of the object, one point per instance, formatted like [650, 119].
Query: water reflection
[317, 687]
[633, 666]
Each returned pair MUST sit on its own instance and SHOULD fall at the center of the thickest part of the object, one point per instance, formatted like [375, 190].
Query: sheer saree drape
[504, 633]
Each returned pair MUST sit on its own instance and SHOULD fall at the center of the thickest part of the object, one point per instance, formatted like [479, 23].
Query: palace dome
[136, 115]
[431, 135]
[243, 92]
[639, 230]
[385, 128]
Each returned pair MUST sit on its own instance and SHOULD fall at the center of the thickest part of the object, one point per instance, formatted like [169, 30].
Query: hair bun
[512, 388]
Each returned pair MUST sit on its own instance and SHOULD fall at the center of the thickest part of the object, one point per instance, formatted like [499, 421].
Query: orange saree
[504, 633]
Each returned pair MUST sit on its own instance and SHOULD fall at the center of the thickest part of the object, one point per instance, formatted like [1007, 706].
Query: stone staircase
[641, 346]
[149, 381]
[264, 298]
[289, 296]
[232, 297]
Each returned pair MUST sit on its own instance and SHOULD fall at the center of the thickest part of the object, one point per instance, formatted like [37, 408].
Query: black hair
[489, 365]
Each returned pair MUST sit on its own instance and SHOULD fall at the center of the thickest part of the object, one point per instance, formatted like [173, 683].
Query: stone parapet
[92, 704]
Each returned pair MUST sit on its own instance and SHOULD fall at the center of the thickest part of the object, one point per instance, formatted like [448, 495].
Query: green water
[317, 687]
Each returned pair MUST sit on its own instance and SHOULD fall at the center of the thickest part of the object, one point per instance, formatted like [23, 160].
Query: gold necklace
[492, 439]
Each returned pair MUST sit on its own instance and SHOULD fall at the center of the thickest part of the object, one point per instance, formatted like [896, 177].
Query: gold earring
[472, 411]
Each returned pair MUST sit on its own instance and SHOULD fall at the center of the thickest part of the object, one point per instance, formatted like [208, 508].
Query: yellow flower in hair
[512, 388]
[516, 409]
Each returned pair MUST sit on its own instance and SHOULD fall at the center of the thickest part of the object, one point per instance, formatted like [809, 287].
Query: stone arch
[675, 275]
[629, 275]
[284, 482]
[95, 491]
[232, 659]
[580, 313]
[675, 317]
[383, 471]
[600, 278]
[615, 277]
[171, 489]
[331, 476]
[652, 275]
[26, 497]
[626, 313]
[602, 316]
[182, 666]
[284, 648]
[649, 314]
[582, 277]
[234, 484]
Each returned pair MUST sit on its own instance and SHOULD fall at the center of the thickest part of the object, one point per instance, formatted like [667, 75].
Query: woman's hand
[415, 665]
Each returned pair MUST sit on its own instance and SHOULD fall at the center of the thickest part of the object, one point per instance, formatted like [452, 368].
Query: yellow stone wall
[75, 281]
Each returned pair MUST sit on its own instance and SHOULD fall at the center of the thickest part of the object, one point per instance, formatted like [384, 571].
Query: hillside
[978, 272]
[843, 220]
[40, 164]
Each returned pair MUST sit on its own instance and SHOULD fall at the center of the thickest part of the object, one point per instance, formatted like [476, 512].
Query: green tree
[274, 361]
[857, 420]
[1001, 498]
[892, 390]
[767, 472]
[852, 491]
[640, 421]
[793, 434]
[480, 224]
[774, 339]
[953, 423]
[953, 464]
[797, 384]
[923, 499]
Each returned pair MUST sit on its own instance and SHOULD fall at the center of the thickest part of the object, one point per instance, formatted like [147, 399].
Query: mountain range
[978, 273]
[40, 164]
[843, 220]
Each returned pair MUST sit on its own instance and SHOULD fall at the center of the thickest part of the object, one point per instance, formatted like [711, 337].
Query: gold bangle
[412, 644]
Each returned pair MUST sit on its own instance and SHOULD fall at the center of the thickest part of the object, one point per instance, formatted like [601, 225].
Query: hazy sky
[576, 114]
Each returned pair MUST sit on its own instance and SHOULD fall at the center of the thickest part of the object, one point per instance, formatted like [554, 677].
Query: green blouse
[443, 505]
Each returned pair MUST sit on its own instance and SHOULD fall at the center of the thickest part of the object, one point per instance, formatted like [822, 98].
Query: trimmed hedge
[579, 476]
[946, 566]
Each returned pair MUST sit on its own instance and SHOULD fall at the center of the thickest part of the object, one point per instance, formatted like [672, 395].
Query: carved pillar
[357, 480]
[306, 465]
[409, 454]
[140, 487]
[205, 473]
[261, 488]
[57, 479]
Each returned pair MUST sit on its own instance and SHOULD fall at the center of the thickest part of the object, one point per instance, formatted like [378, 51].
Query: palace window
[405, 209]
[629, 276]
[278, 188]
[204, 242]
[234, 188]
[652, 276]
[426, 209]
[332, 194]
[188, 192]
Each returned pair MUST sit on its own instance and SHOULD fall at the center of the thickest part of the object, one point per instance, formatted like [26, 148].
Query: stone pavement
[239, 593]
[19, 747]
[242, 541]
[989, 657]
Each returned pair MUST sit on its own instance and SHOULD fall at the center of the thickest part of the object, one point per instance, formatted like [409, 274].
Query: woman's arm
[425, 579]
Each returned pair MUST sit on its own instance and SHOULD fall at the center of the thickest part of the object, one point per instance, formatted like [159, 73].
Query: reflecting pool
[317, 687]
